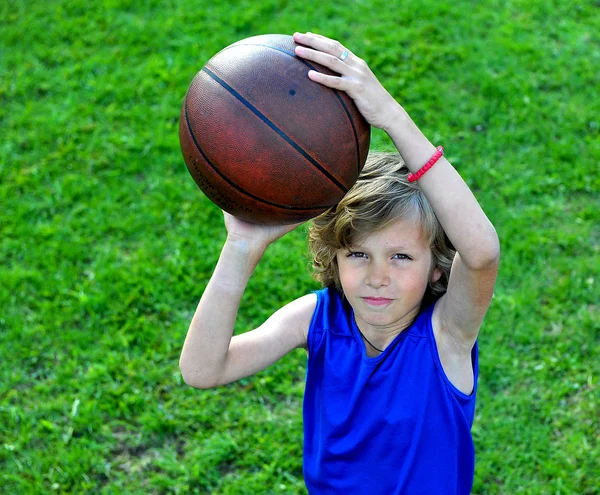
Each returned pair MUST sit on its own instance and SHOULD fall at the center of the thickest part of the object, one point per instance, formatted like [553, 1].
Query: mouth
[377, 301]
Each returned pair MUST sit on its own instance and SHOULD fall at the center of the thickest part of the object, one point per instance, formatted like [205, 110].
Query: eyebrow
[395, 249]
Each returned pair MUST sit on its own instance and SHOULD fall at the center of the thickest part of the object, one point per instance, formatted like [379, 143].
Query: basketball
[263, 141]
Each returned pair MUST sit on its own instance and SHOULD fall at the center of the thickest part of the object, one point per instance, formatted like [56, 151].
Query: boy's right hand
[254, 236]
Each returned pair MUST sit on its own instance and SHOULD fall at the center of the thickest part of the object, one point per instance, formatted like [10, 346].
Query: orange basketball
[263, 141]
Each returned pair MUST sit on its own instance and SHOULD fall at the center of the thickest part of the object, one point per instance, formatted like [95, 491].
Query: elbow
[195, 378]
[487, 255]
[491, 258]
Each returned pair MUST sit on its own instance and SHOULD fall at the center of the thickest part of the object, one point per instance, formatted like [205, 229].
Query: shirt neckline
[375, 359]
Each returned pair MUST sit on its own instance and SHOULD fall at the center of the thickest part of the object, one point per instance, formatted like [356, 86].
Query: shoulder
[331, 314]
[331, 307]
[296, 316]
[304, 304]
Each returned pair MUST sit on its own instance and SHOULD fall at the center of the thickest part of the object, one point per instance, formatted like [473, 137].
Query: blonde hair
[381, 195]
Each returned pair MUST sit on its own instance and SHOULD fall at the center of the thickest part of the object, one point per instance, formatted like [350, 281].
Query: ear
[435, 275]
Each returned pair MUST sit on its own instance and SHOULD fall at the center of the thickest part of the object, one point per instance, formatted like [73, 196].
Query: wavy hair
[380, 196]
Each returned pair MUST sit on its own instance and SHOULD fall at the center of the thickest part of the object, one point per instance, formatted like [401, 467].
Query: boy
[391, 339]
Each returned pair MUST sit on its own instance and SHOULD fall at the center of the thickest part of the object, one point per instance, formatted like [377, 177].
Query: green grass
[106, 243]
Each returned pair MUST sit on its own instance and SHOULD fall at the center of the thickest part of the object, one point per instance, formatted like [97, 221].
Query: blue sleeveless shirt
[392, 424]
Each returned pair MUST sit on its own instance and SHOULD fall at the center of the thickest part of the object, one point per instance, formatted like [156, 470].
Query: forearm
[463, 220]
[209, 335]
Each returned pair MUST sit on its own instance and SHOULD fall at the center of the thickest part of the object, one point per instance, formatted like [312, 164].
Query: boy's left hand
[376, 105]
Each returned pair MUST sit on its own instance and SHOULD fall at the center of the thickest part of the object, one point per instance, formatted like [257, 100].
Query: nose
[377, 275]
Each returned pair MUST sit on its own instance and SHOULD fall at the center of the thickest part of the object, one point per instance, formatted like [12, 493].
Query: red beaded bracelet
[416, 176]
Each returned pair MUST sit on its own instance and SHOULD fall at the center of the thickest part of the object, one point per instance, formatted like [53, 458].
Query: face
[384, 276]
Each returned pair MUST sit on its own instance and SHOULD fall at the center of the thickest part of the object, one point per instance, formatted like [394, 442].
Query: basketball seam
[233, 184]
[277, 130]
[335, 91]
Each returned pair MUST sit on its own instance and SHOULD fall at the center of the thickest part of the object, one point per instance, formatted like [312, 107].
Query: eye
[356, 254]
[400, 256]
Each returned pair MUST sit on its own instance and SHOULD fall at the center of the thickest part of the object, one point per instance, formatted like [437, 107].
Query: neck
[377, 338]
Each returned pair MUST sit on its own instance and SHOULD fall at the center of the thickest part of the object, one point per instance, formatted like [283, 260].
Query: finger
[333, 82]
[325, 59]
[321, 43]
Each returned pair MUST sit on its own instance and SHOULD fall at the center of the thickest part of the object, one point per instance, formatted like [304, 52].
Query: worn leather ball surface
[263, 141]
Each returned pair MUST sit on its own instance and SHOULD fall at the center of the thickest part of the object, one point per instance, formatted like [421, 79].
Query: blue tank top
[391, 424]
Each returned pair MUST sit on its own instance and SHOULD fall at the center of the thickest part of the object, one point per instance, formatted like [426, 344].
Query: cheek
[348, 278]
[417, 280]
[345, 277]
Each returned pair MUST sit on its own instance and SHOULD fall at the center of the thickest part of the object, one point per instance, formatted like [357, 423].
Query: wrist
[235, 266]
[397, 120]
[244, 248]
[411, 143]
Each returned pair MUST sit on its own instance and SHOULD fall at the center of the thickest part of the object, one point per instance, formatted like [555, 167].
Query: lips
[377, 301]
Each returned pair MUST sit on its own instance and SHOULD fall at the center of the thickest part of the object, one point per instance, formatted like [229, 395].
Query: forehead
[404, 233]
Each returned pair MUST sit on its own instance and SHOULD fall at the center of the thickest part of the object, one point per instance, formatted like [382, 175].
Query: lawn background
[106, 243]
